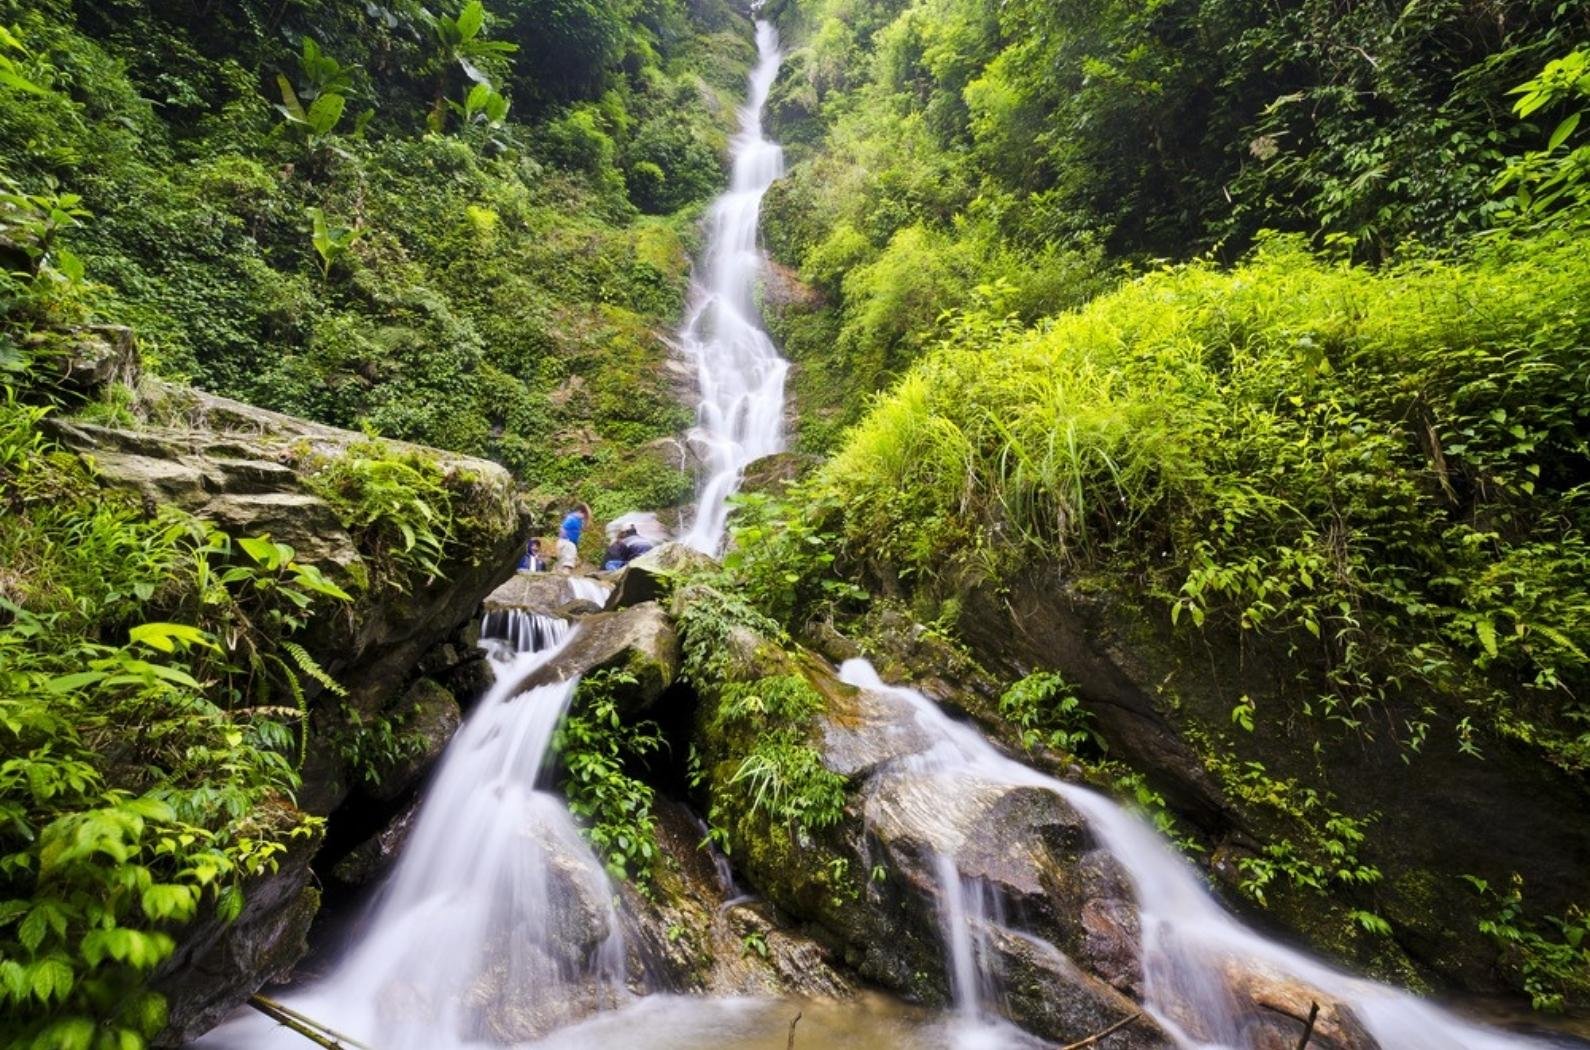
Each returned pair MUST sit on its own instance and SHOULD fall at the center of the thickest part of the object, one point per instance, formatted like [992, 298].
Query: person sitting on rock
[629, 545]
[532, 561]
[569, 537]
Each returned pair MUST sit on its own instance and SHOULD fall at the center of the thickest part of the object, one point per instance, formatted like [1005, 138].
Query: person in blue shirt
[569, 537]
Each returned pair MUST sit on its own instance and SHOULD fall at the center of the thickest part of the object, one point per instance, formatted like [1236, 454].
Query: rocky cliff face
[1163, 701]
[395, 650]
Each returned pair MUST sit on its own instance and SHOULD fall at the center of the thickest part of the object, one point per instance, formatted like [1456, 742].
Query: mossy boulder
[640, 642]
[650, 577]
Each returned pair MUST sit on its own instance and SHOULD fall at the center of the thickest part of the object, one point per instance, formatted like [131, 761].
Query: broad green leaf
[291, 108]
[471, 19]
[1486, 632]
[166, 637]
[325, 112]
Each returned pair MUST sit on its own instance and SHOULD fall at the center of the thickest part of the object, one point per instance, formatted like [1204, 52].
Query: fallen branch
[307, 1027]
[1095, 1038]
[791, 1044]
[1308, 1029]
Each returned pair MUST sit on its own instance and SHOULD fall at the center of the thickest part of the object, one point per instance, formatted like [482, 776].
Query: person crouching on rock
[629, 546]
[532, 560]
[569, 537]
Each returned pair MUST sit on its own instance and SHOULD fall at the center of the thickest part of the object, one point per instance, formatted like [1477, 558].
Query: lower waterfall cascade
[1186, 934]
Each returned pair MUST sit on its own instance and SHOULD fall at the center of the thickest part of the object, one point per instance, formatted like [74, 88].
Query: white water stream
[1187, 937]
[741, 376]
[497, 921]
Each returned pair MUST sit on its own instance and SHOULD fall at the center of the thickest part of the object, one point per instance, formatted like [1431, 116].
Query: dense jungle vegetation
[465, 227]
[467, 230]
[1269, 319]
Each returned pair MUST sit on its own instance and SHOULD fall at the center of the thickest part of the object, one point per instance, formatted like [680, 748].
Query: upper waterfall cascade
[740, 417]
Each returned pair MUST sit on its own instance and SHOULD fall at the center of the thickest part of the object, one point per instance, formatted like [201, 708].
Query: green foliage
[1046, 713]
[492, 301]
[331, 242]
[782, 561]
[1313, 847]
[1549, 956]
[1555, 178]
[939, 145]
[460, 42]
[110, 840]
[785, 778]
[771, 768]
[598, 747]
[1382, 469]
[397, 503]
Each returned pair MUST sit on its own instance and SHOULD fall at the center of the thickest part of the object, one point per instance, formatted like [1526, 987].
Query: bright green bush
[1385, 467]
[111, 840]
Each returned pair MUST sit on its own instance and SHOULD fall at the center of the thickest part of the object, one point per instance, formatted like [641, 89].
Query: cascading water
[741, 375]
[522, 632]
[498, 923]
[1187, 938]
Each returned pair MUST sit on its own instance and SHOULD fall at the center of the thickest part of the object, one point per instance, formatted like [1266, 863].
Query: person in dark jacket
[629, 545]
[532, 560]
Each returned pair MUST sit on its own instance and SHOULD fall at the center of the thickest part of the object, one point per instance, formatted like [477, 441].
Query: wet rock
[218, 964]
[1050, 993]
[687, 937]
[648, 578]
[426, 719]
[640, 641]
[374, 857]
[536, 592]
[773, 475]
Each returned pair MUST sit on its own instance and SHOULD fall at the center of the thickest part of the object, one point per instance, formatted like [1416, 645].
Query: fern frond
[310, 667]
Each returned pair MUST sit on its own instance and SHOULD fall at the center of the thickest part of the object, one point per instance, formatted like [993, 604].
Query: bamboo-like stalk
[306, 1026]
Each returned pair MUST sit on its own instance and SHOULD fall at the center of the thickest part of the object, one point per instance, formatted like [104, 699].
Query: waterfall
[521, 631]
[498, 922]
[1186, 935]
[740, 417]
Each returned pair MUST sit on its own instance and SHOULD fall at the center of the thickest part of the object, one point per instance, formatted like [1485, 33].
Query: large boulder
[640, 641]
[1163, 700]
[693, 931]
[250, 472]
[426, 718]
[375, 856]
[1051, 910]
[650, 577]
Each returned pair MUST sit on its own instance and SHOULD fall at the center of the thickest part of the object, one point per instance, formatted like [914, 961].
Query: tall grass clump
[1389, 467]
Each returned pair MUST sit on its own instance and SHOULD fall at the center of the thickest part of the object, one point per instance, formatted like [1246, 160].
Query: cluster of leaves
[758, 727]
[111, 840]
[1315, 847]
[1550, 955]
[783, 775]
[1555, 179]
[782, 561]
[598, 749]
[1047, 713]
[396, 501]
